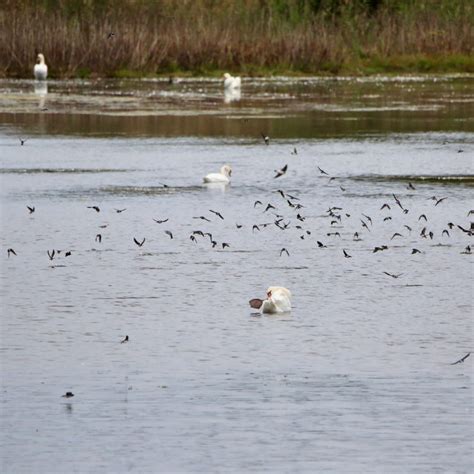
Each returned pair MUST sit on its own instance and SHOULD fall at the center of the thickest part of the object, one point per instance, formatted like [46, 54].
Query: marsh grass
[249, 36]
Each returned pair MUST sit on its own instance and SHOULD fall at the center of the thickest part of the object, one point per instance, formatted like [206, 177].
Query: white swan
[40, 70]
[278, 301]
[222, 177]
[231, 82]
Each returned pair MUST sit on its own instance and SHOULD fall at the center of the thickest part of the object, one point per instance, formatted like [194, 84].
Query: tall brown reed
[250, 36]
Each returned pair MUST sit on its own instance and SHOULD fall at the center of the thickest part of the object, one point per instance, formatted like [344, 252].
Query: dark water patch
[61, 170]
[464, 180]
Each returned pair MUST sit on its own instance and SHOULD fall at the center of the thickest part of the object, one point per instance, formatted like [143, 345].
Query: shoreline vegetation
[248, 37]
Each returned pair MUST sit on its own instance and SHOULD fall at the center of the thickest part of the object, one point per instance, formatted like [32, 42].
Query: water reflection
[41, 90]
[231, 95]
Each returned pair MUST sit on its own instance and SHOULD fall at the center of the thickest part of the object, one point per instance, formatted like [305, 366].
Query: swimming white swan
[231, 82]
[278, 301]
[222, 177]
[40, 70]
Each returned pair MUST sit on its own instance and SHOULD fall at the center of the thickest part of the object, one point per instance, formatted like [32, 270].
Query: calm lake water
[357, 378]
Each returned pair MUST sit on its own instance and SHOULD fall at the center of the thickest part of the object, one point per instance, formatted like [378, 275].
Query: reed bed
[249, 36]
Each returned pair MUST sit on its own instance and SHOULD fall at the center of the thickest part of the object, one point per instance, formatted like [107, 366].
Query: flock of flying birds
[338, 218]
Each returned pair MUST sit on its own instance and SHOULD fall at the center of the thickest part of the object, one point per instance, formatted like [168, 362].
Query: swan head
[227, 75]
[281, 289]
[40, 58]
[226, 170]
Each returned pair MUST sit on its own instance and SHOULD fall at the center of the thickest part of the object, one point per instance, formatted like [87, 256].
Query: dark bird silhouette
[31, 209]
[336, 234]
[124, 340]
[385, 206]
[413, 251]
[467, 231]
[225, 244]
[321, 245]
[364, 225]
[51, 254]
[393, 275]
[396, 235]
[467, 250]
[470, 212]
[380, 249]
[300, 217]
[239, 226]
[191, 237]
[164, 220]
[462, 359]
[423, 217]
[290, 203]
[346, 254]
[440, 201]
[295, 151]
[68, 253]
[167, 232]
[22, 141]
[269, 206]
[281, 172]
[68, 395]
[96, 208]
[398, 203]
[140, 244]
[118, 211]
[368, 218]
[342, 189]
[450, 225]
[281, 193]
[218, 214]
[98, 238]
[322, 171]
[356, 237]
[10, 251]
[431, 234]
[256, 203]
[407, 227]
[255, 227]
[284, 250]
[266, 138]
[410, 186]
[445, 232]
[293, 197]
[387, 219]
[203, 218]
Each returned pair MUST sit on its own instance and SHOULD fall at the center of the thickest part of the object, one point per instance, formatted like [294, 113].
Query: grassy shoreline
[249, 37]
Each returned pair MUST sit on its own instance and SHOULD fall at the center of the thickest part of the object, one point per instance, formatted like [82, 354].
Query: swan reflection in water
[41, 90]
[231, 95]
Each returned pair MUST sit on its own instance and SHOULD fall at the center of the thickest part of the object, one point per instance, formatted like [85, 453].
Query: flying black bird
[393, 275]
[284, 250]
[118, 211]
[445, 232]
[51, 255]
[218, 214]
[440, 201]
[10, 251]
[346, 254]
[413, 251]
[293, 197]
[398, 202]
[266, 138]
[321, 245]
[255, 227]
[356, 237]
[423, 217]
[256, 203]
[98, 238]
[269, 206]
[336, 234]
[68, 395]
[407, 227]
[387, 219]
[450, 225]
[281, 172]
[140, 244]
[467, 250]
[96, 208]
[380, 249]
[224, 245]
[470, 212]
[282, 194]
[203, 218]
[166, 220]
[322, 171]
[191, 237]
[410, 186]
[167, 232]
[214, 243]
[124, 340]
[342, 189]
[385, 206]
[300, 217]
[198, 232]
[396, 235]
[295, 151]
[364, 225]
[239, 226]
[368, 218]
[31, 209]
[467, 231]
[22, 141]
[462, 359]
[68, 253]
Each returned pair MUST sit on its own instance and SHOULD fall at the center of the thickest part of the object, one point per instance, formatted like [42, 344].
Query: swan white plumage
[222, 177]
[231, 82]
[278, 301]
[40, 70]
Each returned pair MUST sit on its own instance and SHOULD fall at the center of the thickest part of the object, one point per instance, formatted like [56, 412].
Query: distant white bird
[231, 82]
[278, 301]
[40, 70]
[222, 177]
